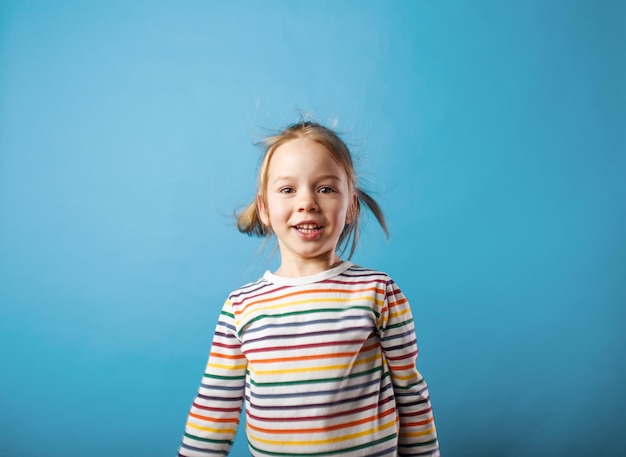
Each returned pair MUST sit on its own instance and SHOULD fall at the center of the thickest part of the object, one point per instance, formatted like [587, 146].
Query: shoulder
[249, 290]
[357, 272]
[383, 280]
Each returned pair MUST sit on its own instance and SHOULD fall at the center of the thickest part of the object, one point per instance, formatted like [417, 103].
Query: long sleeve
[214, 416]
[417, 434]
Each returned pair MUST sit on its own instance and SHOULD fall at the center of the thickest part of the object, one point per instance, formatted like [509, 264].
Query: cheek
[275, 209]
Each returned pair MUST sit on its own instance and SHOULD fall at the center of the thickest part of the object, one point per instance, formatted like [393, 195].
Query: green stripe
[227, 378]
[401, 324]
[315, 381]
[425, 443]
[208, 440]
[310, 311]
[410, 386]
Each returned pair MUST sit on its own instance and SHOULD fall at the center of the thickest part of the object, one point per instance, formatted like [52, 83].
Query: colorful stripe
[325, 368]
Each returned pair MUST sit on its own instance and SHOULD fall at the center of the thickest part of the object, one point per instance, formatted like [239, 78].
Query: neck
[297, 269]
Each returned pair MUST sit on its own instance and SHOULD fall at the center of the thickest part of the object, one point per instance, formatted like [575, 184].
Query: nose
[307, 201]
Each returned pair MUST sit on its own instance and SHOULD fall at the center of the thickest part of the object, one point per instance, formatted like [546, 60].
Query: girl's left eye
[326, 190]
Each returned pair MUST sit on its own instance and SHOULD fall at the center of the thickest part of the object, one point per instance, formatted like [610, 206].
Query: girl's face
[308, 203]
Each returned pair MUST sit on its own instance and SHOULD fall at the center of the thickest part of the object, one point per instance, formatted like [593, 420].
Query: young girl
[323, 351]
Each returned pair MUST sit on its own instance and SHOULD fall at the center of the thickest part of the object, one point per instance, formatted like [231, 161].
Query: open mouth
[308, 228]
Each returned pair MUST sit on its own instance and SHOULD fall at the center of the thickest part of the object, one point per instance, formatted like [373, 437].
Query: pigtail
[350, 234]
[249, 221]
[374, 207]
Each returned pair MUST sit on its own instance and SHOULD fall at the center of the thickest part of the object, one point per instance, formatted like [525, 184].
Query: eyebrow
[319, 178]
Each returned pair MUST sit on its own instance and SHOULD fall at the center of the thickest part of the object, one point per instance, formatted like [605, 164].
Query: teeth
[308, 227]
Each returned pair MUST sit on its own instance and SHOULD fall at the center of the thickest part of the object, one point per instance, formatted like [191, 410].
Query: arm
[214, 415]
[417, 434]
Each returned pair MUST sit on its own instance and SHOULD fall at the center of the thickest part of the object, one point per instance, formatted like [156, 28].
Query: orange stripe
[225, 356]
[212, 419]
[397, 303]
[404, 367]
[415, 424]
[308, 291]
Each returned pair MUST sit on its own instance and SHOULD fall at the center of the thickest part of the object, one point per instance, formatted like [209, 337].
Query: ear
[262, 209]
[352, 208]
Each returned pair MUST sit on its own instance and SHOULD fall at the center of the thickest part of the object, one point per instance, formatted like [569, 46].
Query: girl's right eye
[286, 190]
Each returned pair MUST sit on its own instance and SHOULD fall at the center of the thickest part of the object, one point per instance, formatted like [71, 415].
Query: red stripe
[210, 408]
[302, 346]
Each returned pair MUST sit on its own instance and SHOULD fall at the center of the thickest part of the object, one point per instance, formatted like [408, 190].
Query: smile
[308, 228]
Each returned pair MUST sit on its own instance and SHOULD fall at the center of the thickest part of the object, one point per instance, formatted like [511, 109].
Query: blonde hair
[249, 219]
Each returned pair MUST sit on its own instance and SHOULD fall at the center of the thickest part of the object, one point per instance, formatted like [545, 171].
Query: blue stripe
[307, 334]
[300, 324]
[204, 451]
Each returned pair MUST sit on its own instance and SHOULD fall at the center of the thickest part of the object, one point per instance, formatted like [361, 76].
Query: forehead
[302, 156]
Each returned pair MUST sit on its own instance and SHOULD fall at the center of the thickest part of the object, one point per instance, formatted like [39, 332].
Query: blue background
[492, 133]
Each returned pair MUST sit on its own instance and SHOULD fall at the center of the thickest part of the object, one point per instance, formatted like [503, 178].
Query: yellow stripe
[414, 434]
[227, 367]
[322, 368]
[328, 441]
[310, 300]
[211, 430]
[407, 377]
[400, 313]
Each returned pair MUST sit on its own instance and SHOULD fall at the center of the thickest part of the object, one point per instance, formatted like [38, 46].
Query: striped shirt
[326, 366]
